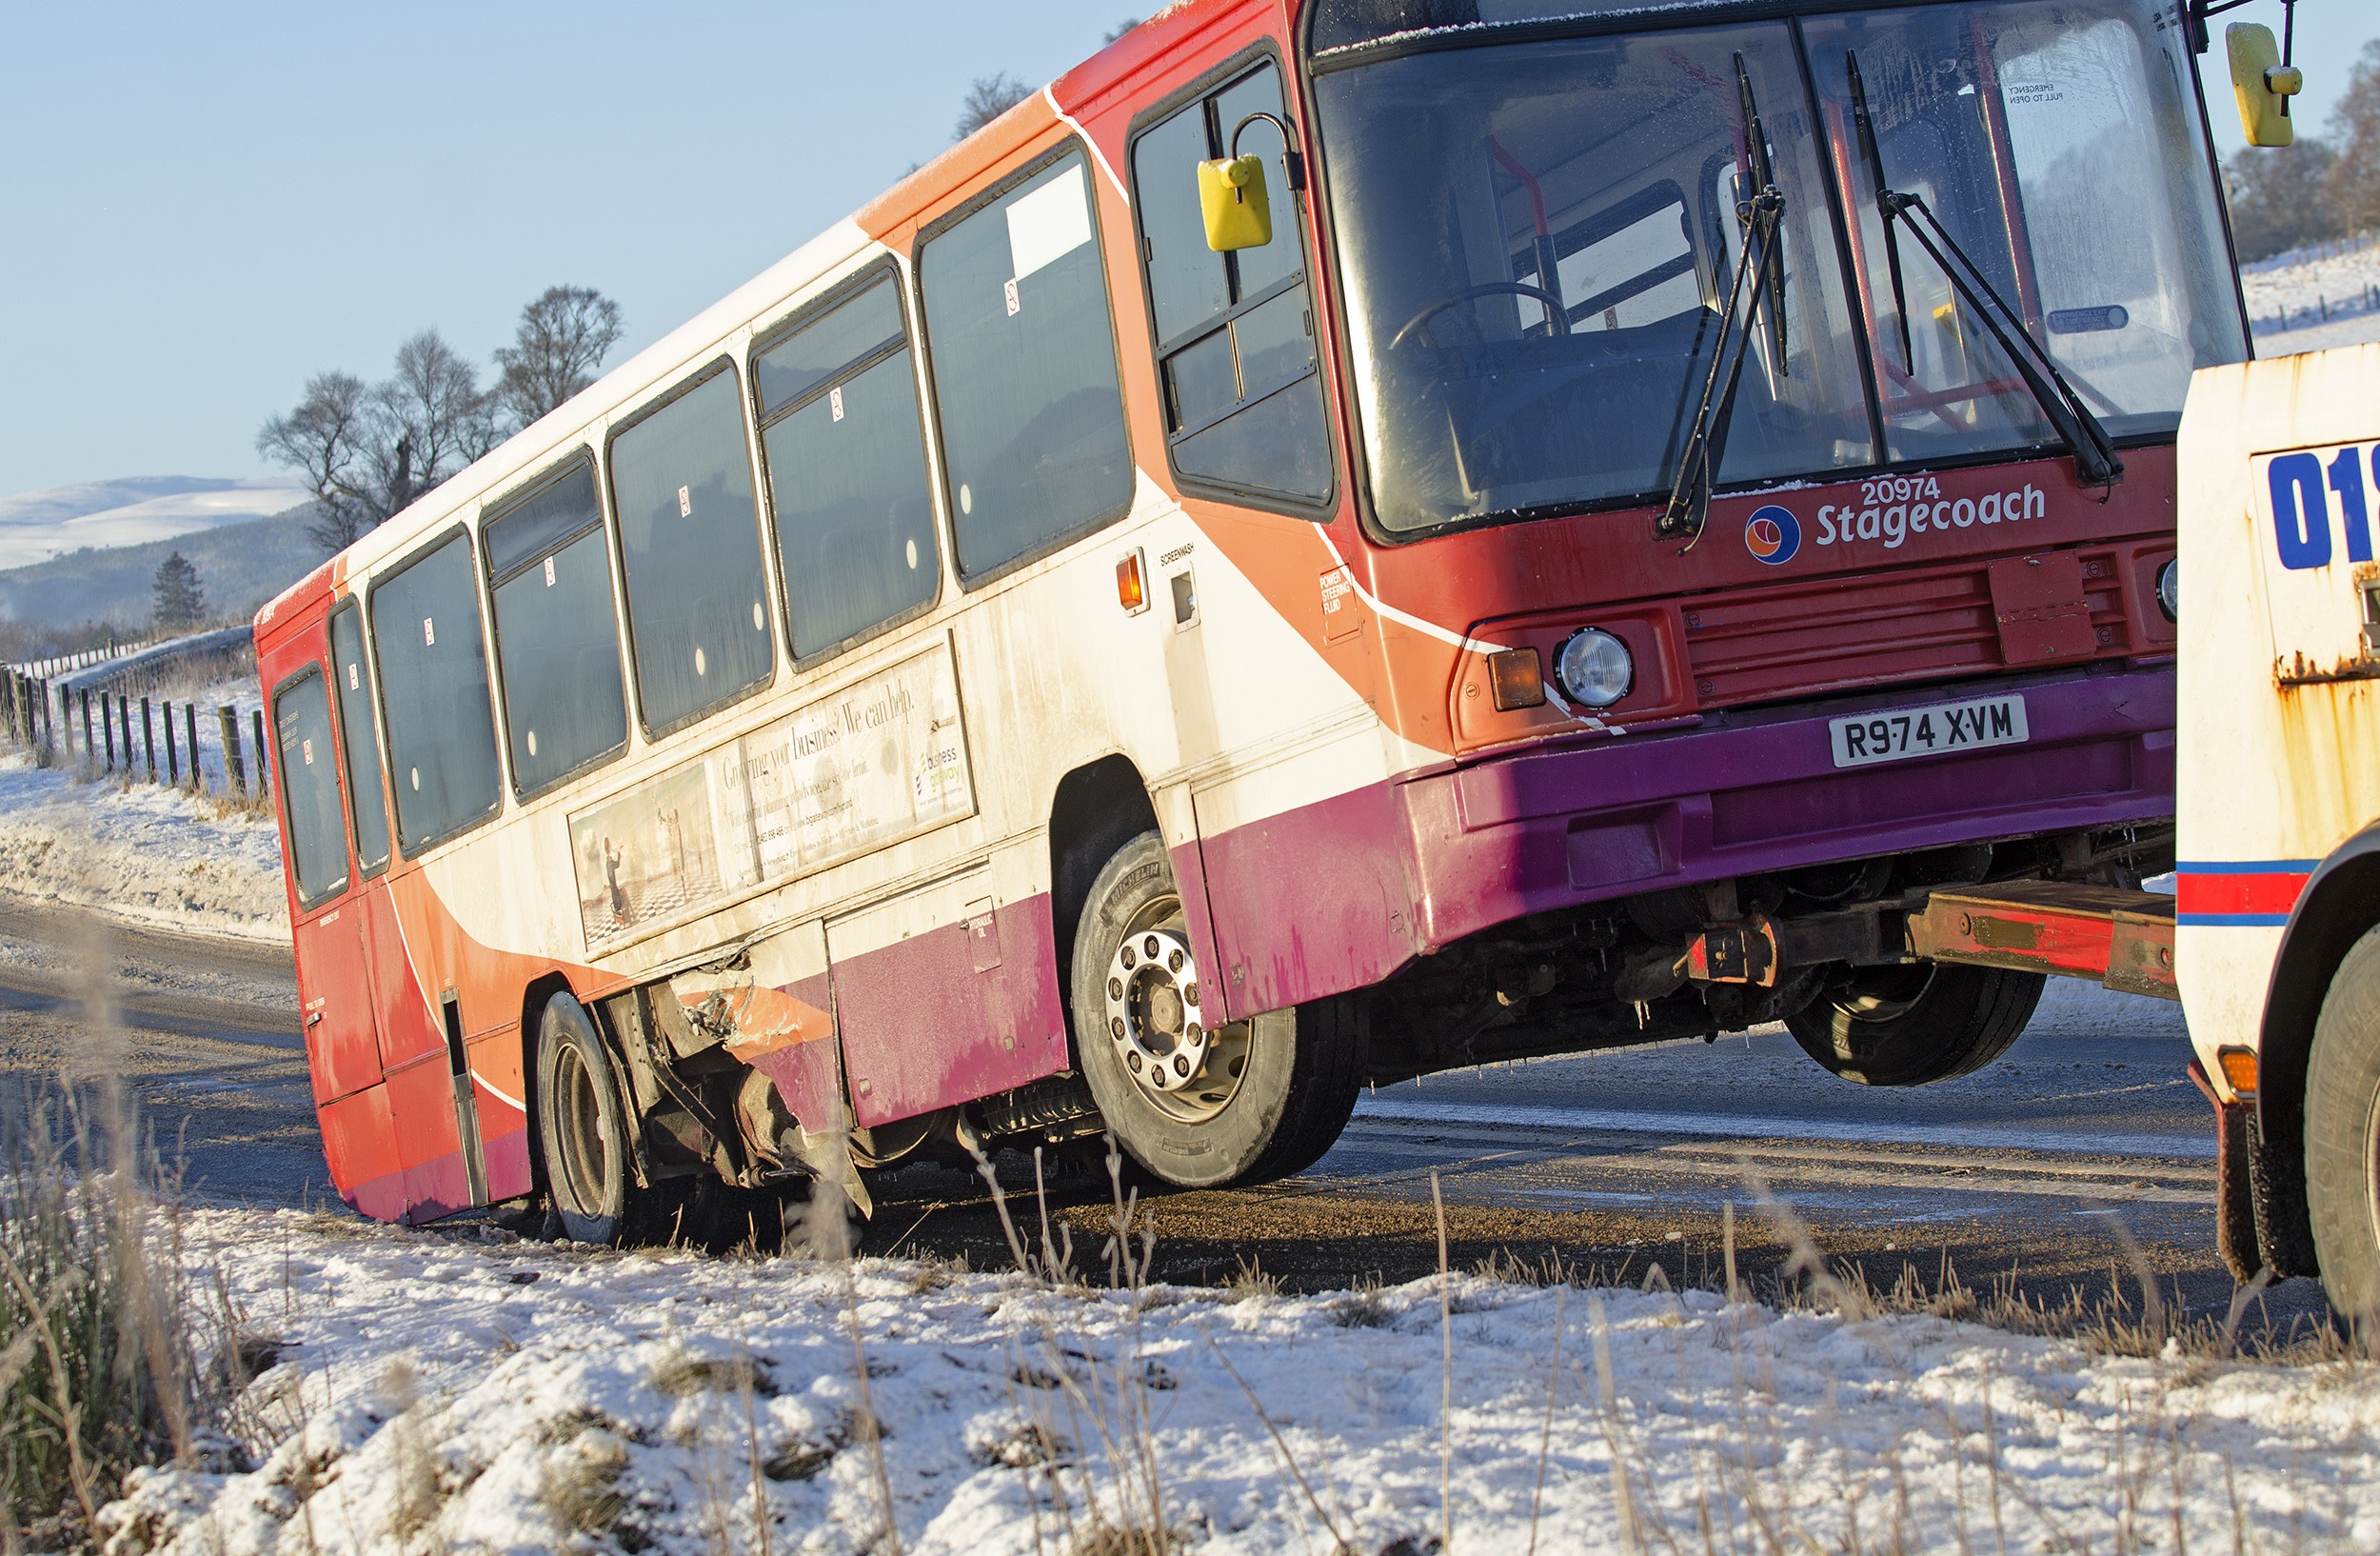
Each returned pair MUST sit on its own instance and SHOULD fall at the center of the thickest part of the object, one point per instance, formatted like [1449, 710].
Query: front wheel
[2343, 1135]
[1198, 1104]
[1914, 1026]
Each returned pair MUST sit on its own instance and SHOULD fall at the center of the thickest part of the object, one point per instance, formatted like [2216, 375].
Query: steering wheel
[1485, 288]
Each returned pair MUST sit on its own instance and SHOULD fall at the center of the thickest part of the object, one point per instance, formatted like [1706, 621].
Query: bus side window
[1023, 353]
[366, 796]
[309, 789]
[690, 553]
[845, 449]
[433, 693]
[557, 640]
[1235, 332]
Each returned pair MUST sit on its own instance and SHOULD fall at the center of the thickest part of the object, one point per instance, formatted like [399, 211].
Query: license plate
[1900, 732]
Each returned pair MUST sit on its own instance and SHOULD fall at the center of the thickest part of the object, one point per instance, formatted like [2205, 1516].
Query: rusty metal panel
[2042, 612]
[2124, 939]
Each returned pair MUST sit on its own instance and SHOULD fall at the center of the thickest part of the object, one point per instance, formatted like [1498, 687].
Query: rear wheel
[2343, 1135]
[1196, 1103]
[1914, 1026]
[583, 1128]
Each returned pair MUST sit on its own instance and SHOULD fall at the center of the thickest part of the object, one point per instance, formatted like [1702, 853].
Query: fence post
[49, 735]
[123, 716]
[264, 771]
[173, 762]
[13, 732]
[234, 771]
[190, 722]
[108, 728]
[148, 739]
[89, 751]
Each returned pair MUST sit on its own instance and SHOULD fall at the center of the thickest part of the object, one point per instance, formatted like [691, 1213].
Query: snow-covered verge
[141, 850]
[2314, 301]
[434, 1391]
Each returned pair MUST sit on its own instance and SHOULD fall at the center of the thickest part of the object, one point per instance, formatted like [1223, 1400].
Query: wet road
[200, 1032]
[1617, 1159]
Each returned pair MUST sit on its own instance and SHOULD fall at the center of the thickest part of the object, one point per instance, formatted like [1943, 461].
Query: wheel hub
[1154, 1016]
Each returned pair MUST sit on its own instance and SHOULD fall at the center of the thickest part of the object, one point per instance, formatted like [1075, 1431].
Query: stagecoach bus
[1335, 541]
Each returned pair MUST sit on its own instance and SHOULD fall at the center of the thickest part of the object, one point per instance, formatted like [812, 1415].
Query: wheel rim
[579, 1124]
[1156, 1020]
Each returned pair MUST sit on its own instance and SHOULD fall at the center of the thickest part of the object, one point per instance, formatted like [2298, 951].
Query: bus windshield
[1537, 238]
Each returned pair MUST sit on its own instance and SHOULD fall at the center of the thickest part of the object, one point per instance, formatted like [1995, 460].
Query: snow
[2287, 297]
[449, 1389]
[149, 851]
[37, 525]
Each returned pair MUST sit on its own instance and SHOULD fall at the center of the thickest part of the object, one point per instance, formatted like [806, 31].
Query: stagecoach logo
[1773, 535]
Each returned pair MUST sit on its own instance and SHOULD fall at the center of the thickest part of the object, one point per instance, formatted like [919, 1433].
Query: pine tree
[179, 602]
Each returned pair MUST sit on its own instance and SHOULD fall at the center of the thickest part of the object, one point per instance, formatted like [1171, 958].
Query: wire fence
[114, 715]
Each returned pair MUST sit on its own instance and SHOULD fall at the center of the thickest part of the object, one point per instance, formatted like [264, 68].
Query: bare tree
[2276, 197]
[1120, 28]
[2352, 182]
[564, 337]
[370, 454]
[324, 439]
[434, 411]
[988, 97]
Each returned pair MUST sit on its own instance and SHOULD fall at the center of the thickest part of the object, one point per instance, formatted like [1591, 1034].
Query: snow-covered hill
[57, 520]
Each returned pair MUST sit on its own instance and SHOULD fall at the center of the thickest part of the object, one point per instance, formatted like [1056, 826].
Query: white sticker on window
[1050, 223]
[1013, 304]
[834, 399]
[429, 633]
[307, 747]
[550, 573]
[685, 504]
[353, 684]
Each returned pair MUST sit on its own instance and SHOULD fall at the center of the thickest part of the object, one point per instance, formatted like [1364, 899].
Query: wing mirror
[2262, 83]
[1232, 194]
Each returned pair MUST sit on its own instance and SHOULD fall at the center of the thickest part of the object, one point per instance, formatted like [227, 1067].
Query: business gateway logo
[1772, 534]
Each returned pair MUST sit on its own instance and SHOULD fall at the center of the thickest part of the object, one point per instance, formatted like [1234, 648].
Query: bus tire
[1917, 1026]
[1249, 1101]
[2343, 1134]
[583, 1128]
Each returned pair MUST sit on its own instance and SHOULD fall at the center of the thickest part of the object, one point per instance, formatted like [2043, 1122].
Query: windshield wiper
[1762, 216]
[2095, 462]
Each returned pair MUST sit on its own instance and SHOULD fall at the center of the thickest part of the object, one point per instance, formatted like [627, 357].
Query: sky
[206, 204]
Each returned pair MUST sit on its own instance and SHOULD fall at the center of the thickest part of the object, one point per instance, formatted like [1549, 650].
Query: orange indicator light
[1128, 590]
[2239, 1067]
[1516, 679]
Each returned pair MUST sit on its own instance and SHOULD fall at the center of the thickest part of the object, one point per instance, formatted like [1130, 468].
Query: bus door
[334, 980]
[431, 1102]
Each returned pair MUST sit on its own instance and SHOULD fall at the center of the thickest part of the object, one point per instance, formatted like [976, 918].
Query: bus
[1336, 540]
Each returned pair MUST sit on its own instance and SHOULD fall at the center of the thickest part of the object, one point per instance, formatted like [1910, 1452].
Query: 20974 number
[1898, 733]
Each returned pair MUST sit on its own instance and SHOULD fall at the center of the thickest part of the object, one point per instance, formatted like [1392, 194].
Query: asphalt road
[2086, 1141]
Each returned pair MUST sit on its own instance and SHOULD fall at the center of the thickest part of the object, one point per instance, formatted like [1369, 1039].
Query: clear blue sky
[202, 205]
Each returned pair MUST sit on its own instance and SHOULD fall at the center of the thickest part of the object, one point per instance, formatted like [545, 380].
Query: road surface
[1617, 1160]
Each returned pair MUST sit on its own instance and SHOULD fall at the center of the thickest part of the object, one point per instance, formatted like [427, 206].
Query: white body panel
[2280, 723]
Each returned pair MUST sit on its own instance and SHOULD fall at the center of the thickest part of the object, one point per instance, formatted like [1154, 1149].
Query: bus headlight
[1593, 667]
[2169, 590]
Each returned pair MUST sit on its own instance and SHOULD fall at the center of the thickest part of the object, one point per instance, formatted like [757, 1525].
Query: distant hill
[240, 567]
[96, 516]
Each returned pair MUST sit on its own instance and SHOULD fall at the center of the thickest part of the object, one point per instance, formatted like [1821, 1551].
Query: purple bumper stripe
[1338, 895]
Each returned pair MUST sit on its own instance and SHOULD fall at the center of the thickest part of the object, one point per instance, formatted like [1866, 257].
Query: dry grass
[101, 1370]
